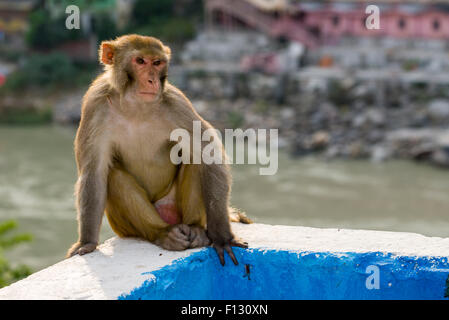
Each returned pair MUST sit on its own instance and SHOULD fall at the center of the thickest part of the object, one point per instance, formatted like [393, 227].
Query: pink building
[319, 22]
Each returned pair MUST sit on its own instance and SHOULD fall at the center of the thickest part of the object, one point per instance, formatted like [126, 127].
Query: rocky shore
[373, 133]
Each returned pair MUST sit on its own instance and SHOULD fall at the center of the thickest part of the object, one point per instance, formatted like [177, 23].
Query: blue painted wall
[292, 275]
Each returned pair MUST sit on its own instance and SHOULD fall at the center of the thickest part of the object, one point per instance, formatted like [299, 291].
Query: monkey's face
[149, 74]
[139, 64]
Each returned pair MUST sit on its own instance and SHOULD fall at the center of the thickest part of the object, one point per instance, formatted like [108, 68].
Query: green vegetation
[168, 20]
[9, 274]
[104, 27]
[235, 119]
[176, 29]
[151, 12]
[49, 71]
[339, 94]
[261, 106]
[45, 71]
[410, 65]
[28, 116]
[46, 33]
[42, 70]
[9, 54]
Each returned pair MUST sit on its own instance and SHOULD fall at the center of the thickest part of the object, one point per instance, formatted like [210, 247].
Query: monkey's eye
[140, 61]
[156, 63]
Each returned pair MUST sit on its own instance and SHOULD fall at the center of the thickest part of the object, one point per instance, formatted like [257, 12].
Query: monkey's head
[137, 63]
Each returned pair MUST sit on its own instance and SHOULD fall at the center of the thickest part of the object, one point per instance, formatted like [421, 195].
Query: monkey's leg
[236, 215]
[189, 201]
[131, 214]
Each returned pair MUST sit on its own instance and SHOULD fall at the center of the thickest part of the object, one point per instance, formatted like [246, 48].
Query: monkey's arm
[216, 187]
[215, 179]
[93, 155]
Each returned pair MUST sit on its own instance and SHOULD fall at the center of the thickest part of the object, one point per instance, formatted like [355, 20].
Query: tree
[47, 33]
[146, 12]
[9, 274]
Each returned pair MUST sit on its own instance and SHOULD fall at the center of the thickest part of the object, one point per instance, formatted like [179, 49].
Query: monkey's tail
[236, 215]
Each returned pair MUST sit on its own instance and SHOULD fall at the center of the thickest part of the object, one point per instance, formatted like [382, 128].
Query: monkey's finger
[194, 235]
[239, 244]
[177, 233]
[185, 229]
[178, 243]
[231, 254]
[178, 240]
[198, 238]
[87, 248]
[220, 252]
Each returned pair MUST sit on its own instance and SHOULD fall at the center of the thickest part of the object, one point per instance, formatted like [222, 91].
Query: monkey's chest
[144, 151]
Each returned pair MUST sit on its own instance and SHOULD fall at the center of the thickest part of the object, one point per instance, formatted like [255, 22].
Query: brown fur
[122, 152]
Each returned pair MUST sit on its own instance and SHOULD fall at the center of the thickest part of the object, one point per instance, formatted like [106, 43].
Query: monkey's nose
[150, 81]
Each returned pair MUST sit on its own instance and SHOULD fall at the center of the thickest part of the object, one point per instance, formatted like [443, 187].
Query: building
[14, 18]
[315, 23]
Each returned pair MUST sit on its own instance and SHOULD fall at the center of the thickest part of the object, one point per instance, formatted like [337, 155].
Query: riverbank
[338, 123]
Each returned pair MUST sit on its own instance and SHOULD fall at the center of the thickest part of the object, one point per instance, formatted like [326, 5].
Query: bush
[47, 33]
[104, 27]
[42, 70]
[28, 116]
[9, 274]
[165, 19]
[339, 94]
[235, 119]
[175, 29]
[152, 12]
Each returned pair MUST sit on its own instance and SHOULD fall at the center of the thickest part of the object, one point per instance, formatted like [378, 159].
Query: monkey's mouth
[148, 93]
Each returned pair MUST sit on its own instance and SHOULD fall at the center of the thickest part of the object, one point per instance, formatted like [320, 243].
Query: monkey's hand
[81, 248]
[221, 246]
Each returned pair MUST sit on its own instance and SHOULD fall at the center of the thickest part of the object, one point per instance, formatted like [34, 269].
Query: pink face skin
[148, 71]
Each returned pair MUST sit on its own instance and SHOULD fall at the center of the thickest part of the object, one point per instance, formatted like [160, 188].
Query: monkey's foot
[227, 246]
[177, 239]
[81, 248]
[198, 237]
[183, 236]
[236, 215]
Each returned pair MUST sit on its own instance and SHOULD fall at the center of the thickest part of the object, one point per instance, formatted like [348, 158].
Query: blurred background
[363, 115]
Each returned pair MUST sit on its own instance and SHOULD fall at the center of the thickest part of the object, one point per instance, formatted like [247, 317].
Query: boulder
[438, 110]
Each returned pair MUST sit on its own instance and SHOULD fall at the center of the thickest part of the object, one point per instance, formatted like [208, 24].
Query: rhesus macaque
[122, 151]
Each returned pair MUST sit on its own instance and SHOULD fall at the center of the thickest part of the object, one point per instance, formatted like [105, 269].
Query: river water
[37, 174]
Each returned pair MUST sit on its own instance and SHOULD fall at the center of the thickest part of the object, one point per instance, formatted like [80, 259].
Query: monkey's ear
[167, 51]
[107, 52]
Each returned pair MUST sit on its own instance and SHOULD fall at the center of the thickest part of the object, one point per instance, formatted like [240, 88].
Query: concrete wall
[283, 262]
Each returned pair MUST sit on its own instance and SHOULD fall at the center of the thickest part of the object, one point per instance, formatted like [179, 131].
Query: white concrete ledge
[120, 265]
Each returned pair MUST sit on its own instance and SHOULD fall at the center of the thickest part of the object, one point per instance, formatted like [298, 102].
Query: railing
[266, 23]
